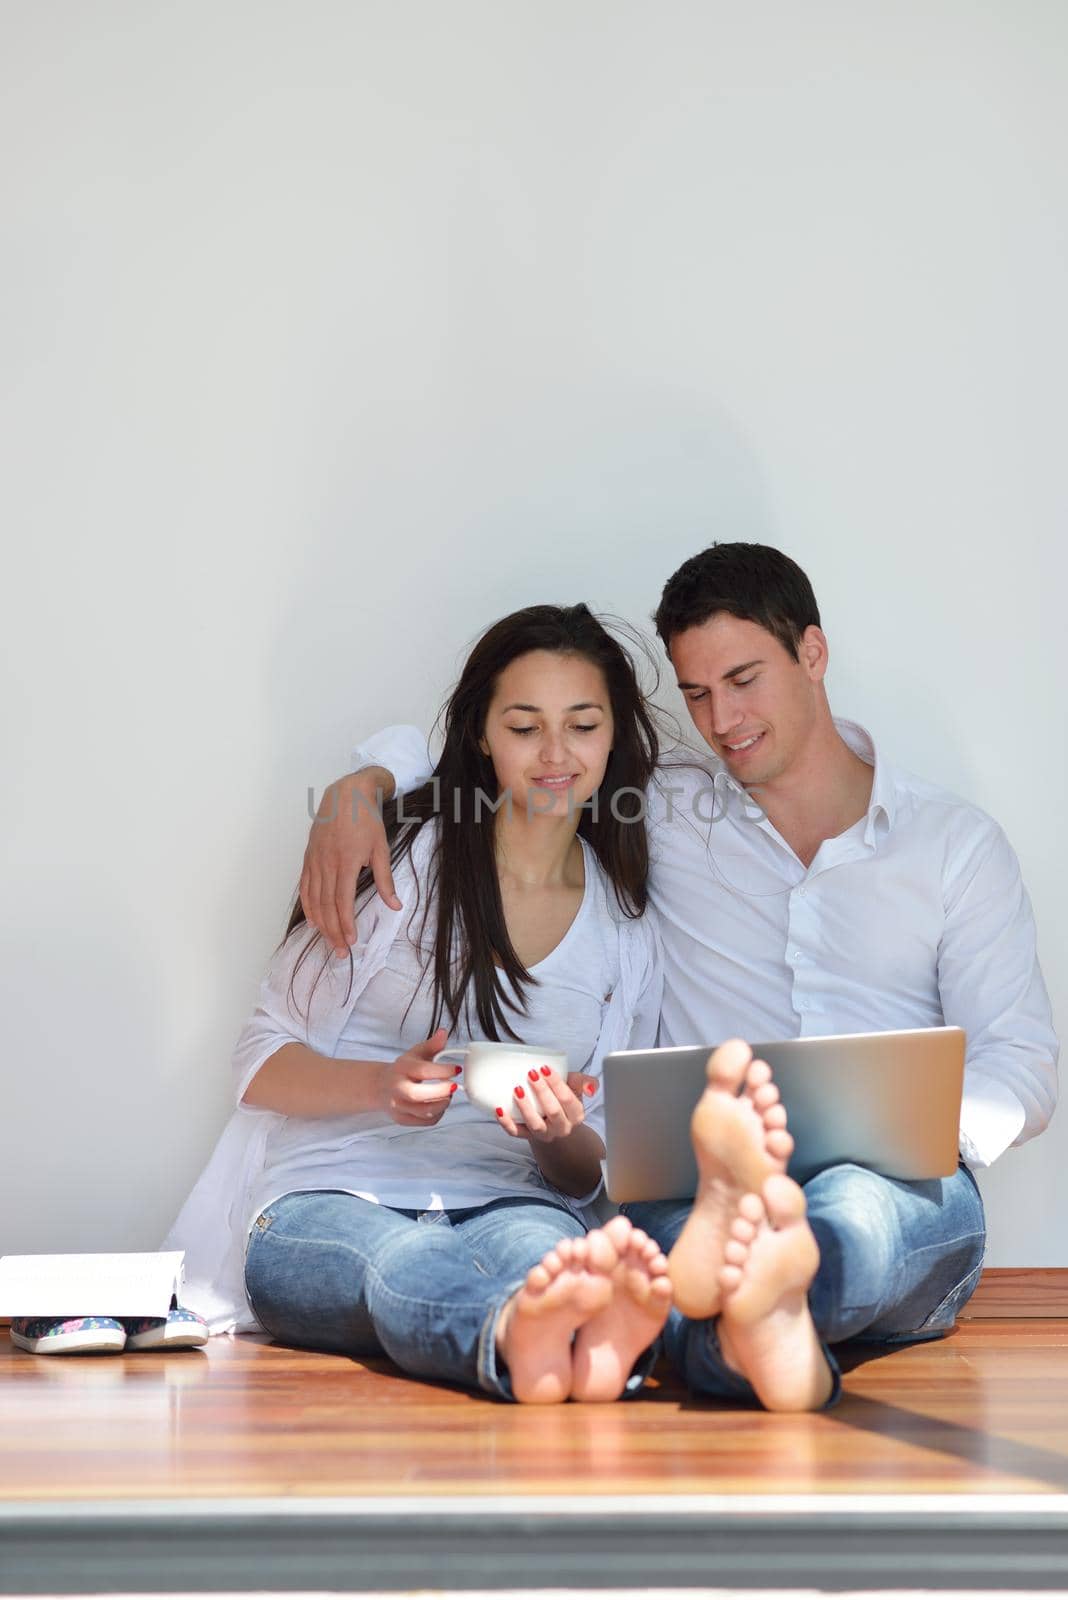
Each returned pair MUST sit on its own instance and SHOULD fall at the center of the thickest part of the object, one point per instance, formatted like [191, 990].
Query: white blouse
[598, 990]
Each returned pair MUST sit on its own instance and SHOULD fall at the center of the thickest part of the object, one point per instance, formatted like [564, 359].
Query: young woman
[369, 1206]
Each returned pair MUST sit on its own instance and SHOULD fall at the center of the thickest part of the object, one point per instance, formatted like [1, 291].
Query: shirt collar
[882, 808]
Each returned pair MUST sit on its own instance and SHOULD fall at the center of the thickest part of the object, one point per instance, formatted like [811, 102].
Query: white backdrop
[332, 330]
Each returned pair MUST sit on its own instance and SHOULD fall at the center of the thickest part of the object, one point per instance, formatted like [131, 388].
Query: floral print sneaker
[178, 1330]
[67, 1336]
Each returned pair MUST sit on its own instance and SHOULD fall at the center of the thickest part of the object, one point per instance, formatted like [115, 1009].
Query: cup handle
[456, 1055]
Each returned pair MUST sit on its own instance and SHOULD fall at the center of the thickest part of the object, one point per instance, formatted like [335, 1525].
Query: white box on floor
[118, 1284]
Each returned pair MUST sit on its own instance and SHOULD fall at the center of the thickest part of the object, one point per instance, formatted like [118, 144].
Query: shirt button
[797, 955]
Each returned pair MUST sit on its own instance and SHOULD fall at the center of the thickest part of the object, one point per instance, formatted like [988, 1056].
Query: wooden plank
[1019, 1292]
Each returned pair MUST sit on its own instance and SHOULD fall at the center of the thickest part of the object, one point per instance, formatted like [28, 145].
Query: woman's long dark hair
[471, 938]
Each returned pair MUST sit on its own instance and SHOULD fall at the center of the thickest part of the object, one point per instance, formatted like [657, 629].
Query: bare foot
[740, 1138]
[537, 1326]
[607, 1346]
[765, 1328]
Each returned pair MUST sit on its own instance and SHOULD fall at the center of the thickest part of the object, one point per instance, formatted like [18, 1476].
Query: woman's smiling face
[549, 731]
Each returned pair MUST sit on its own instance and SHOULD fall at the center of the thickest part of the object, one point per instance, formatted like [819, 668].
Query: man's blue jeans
[330, 1271]
[897, 1262]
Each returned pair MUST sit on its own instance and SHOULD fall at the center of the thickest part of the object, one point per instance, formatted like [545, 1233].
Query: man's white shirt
[914, 917]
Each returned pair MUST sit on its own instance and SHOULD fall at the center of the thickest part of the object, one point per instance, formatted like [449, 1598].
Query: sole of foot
[537, 1327]
[740, 1139]
[608, 1345]
[765, 1327]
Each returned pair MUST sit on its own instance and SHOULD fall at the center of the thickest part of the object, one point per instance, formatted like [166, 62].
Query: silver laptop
[888, 1101]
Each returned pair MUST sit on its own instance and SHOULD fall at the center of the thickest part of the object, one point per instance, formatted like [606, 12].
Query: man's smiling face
[749, 699]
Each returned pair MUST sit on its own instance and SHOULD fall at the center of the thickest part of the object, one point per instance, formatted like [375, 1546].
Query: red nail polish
[532, 1075]
[546, 1072]
[590, 1088]
[453, 1087]
[458, 1071]
[519, 1091]
[500, 1113]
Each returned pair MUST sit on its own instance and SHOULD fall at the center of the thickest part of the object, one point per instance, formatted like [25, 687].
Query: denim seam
[940, 1247]
[489, 1378]
[903, 1335]
[946, 1244]
[957, 1287]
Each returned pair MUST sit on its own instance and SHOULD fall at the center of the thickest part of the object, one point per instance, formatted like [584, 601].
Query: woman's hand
[550, 1107]
[416, 1090]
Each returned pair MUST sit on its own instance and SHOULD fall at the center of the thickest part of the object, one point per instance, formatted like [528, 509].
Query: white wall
[333, 330]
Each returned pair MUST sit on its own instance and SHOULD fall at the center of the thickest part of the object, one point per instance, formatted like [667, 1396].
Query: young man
[804, 886]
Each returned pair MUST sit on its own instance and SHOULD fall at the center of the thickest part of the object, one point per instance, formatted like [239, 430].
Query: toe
[620, 1231]
[741, 1228]
[601, 1253]
[729, 1278]
[784, 1199]
[727, 1065]
[779, 1144]
[751, 1207]
[758, 1076]
[636, 1258]
[636, 1283]
[735, 1253]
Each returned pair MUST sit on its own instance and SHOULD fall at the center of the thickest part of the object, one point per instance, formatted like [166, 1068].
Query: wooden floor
[983, 1413]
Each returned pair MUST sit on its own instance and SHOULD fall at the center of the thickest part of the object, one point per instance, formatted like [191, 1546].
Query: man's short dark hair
[750, 581]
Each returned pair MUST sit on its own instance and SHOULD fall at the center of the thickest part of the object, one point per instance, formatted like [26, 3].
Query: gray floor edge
[535, 1542]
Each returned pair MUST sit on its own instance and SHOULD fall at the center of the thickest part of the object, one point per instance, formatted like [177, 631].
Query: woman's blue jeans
[897, 1262]
[330, 1271]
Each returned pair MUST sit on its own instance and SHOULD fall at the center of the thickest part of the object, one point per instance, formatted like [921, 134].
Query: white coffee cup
[492, 1070]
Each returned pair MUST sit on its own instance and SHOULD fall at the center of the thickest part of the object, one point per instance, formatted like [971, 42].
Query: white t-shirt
[466, 1159]
[601, 992]
[915, 916]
